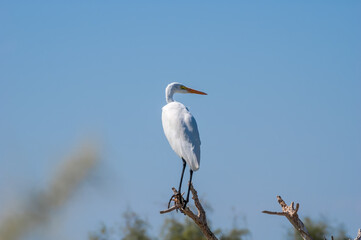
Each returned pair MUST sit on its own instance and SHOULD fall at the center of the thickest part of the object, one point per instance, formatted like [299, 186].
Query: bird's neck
[169, 92]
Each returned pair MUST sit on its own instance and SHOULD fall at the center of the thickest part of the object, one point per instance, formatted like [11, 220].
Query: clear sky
[282, 115]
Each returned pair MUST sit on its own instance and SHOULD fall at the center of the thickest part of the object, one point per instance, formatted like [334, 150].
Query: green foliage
[135, 227]
[175, 230]
[103, 234]
[319, 230]
[234, 234]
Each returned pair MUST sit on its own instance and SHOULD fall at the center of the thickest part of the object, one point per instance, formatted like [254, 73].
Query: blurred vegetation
[136, 228]
[102, 234]
[40, 205]
[176, 230]
[319, 230]
[74, 170]
[234, 234]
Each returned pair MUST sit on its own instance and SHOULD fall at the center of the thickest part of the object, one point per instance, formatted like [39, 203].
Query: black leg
[190, 181]
[181, 180]
[180, 185]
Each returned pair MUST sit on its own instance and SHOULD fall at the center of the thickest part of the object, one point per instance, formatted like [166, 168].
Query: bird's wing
[181, 130]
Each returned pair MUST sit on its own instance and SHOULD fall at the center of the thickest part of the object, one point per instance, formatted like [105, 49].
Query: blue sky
[282, 115]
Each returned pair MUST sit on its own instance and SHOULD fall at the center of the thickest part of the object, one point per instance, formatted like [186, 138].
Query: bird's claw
[177, 198]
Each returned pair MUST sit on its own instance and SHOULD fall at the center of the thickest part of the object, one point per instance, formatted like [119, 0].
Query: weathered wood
[200, 219]
[358, 237]
[291, 214]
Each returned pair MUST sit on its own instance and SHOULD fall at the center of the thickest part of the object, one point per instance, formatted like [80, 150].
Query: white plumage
[181, 130]
[180, 127]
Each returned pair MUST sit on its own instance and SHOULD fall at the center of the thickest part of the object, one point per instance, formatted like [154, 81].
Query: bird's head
[180, 88]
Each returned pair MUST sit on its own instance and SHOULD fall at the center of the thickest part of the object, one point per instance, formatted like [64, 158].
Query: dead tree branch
[358, 235]
[199, 219]
[291, 214]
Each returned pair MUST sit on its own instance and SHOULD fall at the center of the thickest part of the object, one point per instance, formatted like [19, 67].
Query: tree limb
[358, 235]
[291, 214]
[199, 219]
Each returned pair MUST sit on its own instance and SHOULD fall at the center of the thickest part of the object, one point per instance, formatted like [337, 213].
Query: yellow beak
[190, 90]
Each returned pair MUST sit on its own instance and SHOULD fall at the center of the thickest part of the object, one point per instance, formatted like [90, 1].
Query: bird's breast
[181, 130]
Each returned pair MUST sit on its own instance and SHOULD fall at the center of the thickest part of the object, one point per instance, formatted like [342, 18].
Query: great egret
[181, 130]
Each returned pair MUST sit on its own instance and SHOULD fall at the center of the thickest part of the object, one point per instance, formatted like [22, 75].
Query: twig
[291, 214]
[199, 219]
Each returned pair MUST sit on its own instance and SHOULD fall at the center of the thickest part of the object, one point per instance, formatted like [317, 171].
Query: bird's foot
[177, 198]
[180, 198]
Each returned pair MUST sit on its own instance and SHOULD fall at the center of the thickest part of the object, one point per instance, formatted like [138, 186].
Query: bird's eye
[183, 87]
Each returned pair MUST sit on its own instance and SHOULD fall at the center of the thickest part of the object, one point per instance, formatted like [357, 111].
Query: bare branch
[358, 235]
[291, 214]
[275, 213]
[200, 219]
[168, 210]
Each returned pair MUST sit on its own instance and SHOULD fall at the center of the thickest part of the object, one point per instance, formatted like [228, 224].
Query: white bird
[181, 130]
